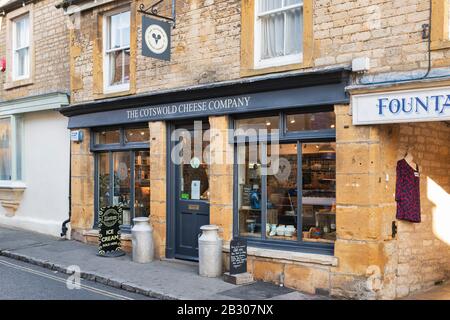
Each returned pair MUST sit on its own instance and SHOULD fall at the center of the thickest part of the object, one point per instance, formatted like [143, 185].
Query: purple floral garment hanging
[407, 192]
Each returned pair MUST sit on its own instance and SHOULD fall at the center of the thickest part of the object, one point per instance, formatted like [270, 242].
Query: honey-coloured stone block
[267, 271]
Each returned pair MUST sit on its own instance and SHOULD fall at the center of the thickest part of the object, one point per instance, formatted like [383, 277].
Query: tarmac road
[23, 281]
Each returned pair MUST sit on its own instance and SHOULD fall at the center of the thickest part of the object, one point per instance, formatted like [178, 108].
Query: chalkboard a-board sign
[238, 256]
[110, 219]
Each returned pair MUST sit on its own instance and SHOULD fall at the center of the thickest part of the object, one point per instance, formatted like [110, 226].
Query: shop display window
[107, 137]
[286, 191]
[310, 121]
[10, 148]
[251, 126]
[123, 173]
[137, 135]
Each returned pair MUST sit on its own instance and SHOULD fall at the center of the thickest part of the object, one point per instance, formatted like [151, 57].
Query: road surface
[20, 280]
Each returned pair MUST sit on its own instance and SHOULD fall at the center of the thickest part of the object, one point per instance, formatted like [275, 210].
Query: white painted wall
[44, 204]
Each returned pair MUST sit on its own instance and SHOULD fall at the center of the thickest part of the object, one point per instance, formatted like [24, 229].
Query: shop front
[275, 160]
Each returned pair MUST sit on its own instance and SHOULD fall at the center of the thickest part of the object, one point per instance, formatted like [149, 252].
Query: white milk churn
[210, 252]
[142, 240]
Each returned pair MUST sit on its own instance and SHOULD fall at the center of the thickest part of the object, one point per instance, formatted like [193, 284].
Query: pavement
[167, 279]
[439, 292]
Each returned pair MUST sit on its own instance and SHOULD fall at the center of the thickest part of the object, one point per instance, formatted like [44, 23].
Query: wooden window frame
[248, 67]
[98, 53]
[10, 82]
[440, 36]
[108, 88]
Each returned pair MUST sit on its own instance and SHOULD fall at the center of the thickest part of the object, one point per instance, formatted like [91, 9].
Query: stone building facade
[212, 53]
[35, 138]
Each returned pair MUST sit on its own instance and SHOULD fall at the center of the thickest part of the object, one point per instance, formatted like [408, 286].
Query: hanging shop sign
[238, 256]
[155, 38]
[110, 219]
[402, 106]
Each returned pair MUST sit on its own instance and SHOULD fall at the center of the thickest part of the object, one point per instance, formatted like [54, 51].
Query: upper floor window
[278, 32]
[440, 25]
[21, 47]
[117, 51]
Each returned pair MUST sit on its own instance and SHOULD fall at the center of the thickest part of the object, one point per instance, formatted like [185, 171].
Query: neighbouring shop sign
[238, 256]
[110, 219]
[155, 38]
[401, 106]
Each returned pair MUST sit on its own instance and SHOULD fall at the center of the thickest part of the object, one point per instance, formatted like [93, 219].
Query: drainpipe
[64, 224]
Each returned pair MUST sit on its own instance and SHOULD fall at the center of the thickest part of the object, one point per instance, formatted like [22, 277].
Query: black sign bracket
[152, 10]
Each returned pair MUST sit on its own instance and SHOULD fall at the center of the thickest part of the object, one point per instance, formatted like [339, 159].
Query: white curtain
[294, 31]
[281, 33]
[272, 36]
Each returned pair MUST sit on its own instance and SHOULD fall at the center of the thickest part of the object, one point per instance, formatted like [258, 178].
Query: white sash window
[21, 47]
[278, 32]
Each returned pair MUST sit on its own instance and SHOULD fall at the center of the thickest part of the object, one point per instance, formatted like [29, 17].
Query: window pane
[104, 195]
[272, 36]
[267, 5]
[5, 149]
[319, 192]
[292, 2]
[119, 65]
[126, 67]
[18, 134]
[251, 126]
[137, 135]
[115, 67]
[122, 184]
[21, 65]
[125, 29]
[142, 184]
[22, 32]
[282, 209]
[114, 31]
[107, 137]
[294, 31]
[249, 184]
[194, 171]
[311, 121]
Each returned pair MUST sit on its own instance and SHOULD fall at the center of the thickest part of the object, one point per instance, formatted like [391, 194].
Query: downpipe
[64, 227]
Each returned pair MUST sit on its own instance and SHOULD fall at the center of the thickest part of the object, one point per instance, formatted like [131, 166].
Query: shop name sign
[199, 107]
[402, 106]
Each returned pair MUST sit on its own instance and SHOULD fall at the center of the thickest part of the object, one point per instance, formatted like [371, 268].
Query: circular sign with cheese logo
[156, 39]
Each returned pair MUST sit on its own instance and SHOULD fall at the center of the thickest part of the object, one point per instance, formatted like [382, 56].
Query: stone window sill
[440, 44]
[10, 195]
[311, 258]
[19, 83]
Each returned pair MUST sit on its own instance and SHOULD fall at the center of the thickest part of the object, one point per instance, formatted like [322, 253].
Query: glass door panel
[104, 180]
[194, 169]
[122, 183]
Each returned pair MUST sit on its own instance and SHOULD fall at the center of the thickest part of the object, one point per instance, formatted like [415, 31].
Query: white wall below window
[44, 204]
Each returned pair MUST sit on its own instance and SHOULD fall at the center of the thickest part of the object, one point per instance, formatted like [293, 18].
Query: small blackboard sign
[238, 256]
[110, 219]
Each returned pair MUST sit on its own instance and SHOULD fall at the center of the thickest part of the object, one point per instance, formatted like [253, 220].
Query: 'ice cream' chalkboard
[110, 219]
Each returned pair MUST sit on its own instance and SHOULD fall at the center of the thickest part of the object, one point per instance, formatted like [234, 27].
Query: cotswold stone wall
[423, 249]
[51, 58]
[206, 42]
